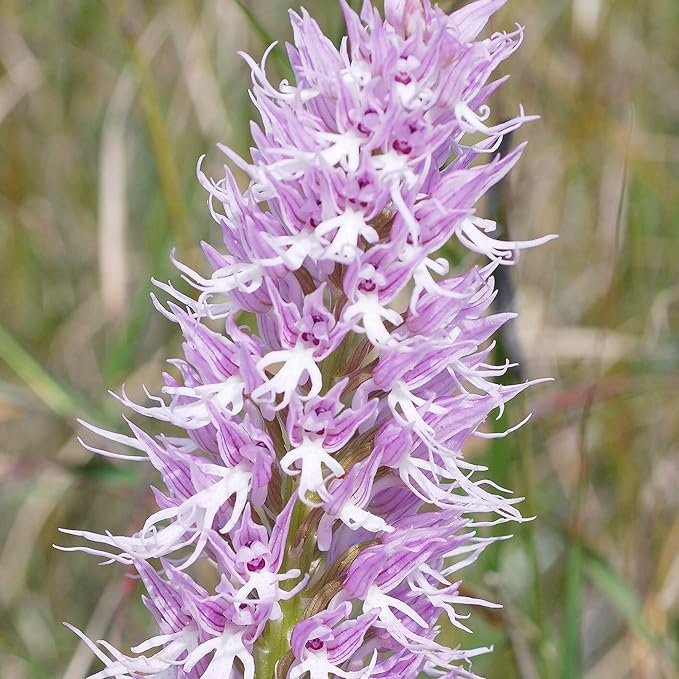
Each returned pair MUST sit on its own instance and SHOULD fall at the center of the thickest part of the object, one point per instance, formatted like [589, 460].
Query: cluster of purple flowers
[318, 467]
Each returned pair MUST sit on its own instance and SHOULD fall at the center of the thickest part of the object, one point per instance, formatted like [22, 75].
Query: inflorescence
[316, 458]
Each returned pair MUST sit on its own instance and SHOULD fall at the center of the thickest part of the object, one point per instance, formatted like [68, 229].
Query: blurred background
[104, 110]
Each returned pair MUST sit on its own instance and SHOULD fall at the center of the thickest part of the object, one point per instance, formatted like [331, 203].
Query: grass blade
[277, 53]
[58, 397]
[619, 593]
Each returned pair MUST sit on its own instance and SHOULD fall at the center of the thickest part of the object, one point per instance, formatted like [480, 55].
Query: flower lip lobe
[316, 469]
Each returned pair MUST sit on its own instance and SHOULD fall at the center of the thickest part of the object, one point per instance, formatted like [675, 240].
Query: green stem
[572, 616]
[275, 641]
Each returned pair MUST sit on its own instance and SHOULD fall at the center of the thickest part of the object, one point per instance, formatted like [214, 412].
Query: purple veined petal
[317, 627]
[279, 534]
[405, 14]
[164, 601]
[348, 498]
[468, 21]
[326, 417]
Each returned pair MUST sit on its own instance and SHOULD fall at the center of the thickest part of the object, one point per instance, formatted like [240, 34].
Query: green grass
[590, 586]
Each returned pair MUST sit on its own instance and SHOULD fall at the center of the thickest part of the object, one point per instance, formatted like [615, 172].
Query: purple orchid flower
[319, 471]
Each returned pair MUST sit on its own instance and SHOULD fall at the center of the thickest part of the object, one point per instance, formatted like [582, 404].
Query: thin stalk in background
[160, 139]
[572, 651]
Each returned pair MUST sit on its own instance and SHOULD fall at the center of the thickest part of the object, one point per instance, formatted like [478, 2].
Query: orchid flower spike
[319, 471]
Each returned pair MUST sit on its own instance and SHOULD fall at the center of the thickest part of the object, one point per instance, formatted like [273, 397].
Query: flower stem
[275, 641]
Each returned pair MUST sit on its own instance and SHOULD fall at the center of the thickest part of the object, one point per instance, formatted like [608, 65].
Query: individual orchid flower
[189, 524]
[322, 643]
[318, 428]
